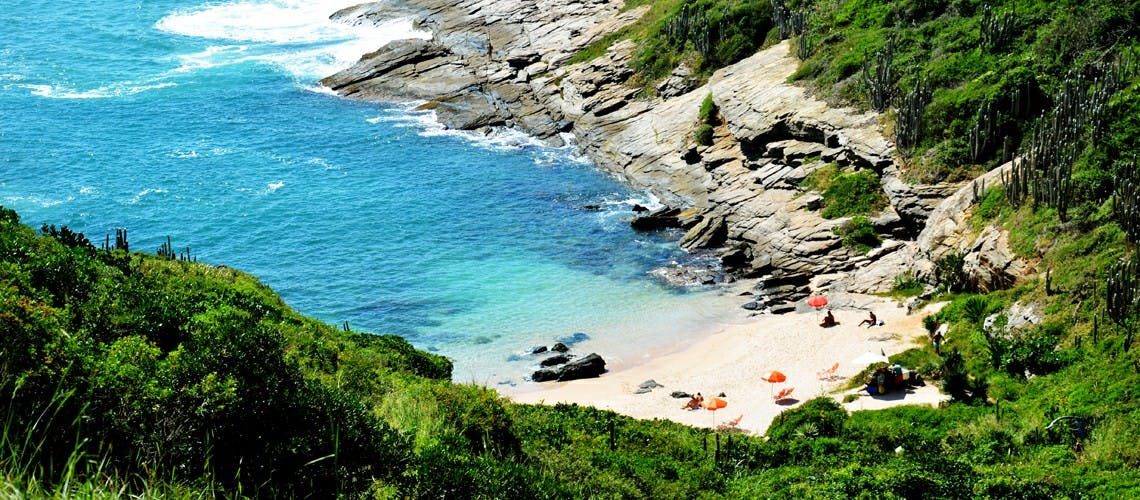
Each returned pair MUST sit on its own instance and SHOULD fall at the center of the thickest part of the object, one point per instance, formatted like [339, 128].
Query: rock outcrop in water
[493, 63]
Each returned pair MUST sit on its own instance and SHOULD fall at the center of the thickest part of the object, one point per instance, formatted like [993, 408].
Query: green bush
[822, 416]
[857, 193]
[704, 135]
[858, 234]
[709, 112]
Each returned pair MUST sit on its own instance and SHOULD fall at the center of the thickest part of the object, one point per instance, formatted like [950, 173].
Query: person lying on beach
[829, 320]
[871, 321]
[694, 403]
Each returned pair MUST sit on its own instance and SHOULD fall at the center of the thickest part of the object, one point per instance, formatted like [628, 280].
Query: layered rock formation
[503, 63]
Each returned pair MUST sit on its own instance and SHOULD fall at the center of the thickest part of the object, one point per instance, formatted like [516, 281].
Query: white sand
[732, 360]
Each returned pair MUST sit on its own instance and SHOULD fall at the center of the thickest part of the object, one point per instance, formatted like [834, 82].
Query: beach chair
[784, 393]
[730, 425]
[828, 374]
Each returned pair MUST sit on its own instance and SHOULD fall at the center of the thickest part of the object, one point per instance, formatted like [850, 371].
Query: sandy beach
[732, 360]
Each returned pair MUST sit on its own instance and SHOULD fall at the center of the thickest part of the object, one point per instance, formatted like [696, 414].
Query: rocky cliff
[504, 64]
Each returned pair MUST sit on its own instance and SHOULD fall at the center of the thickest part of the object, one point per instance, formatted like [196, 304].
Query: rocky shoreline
[505, 64]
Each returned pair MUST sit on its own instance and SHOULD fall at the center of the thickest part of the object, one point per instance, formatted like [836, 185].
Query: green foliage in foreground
[133, 374]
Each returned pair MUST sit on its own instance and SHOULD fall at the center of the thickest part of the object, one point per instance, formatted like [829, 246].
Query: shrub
[823, 416]
[907, 284]
[858, 234]
[949, 272]
[704, 135]
[709, 112]
[857, 193]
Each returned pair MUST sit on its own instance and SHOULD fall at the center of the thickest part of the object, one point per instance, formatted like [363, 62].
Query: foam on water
[118, 89]
[475, 245]
[311, 44]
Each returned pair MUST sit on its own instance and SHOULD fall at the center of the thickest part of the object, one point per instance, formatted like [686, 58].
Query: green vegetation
[858, 234]
[135, 374]
[856, 193]
[709, 115]
[705, 34]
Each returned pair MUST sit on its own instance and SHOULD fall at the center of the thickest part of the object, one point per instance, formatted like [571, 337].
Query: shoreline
[731, 359]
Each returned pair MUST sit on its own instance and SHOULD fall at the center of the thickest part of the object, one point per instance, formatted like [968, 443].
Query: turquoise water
[203, 122]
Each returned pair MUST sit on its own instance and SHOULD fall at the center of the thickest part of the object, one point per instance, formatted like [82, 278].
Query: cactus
[1126, 201]
[804, 46]
[1122, 297]
[996, 30]
[908, 124]
[879, 80]
[982, 131]
[121, 239]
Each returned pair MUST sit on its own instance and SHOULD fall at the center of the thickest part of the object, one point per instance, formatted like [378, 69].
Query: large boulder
[588, 367]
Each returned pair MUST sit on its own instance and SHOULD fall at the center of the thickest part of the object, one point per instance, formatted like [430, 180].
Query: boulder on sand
[587, 367]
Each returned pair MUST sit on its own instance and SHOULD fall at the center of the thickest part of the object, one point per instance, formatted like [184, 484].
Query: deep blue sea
[203, 121]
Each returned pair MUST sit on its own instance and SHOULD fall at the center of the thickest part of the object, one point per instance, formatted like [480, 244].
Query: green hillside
[136, 374]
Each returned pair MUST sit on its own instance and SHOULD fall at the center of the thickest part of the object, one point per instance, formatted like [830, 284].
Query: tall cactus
[981, 134]
[1122, 297]
[1126, 201]
[908, 124]
[879, 79]
[996, 30]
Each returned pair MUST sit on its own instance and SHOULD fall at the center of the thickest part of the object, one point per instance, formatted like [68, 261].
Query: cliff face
[503, 63]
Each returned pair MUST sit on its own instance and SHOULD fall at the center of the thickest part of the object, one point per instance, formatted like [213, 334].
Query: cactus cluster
[703, 28]
[879, 78]
[1043, 173]
[788, 22]
[1126, 201]
[996, 30]
[908, 124]
[981, 134]
[167, 250]
[120, 241]
[1122, 297]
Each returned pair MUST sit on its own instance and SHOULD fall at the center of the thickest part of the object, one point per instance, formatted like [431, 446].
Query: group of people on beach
[871, 320]
[885, 379]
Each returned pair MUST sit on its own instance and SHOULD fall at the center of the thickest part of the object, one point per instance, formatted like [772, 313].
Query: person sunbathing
[829, 320]
[694, 403]
[871, 321]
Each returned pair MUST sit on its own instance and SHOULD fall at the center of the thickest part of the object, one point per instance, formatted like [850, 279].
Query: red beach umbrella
[817, 301]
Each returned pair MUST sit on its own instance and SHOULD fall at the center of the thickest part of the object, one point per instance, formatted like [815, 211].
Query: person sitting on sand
[694, 403]
[871, 321]
[829, 320]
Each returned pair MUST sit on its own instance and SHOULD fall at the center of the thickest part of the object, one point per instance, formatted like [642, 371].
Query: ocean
[204, 122]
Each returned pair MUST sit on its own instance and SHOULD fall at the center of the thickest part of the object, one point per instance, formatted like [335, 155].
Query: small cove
[203, 122]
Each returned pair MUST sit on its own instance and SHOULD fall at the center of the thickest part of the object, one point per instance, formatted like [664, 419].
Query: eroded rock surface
[503, 63]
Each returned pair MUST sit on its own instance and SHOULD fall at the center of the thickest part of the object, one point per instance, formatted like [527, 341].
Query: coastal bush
[857, 193]
[709, 113]
[825, 415]
[906, 284]
[858, 234]
[704, 135]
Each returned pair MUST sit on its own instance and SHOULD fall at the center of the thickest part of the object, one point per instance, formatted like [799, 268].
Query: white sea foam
[117, 89]
[274, 186]
[36, 200]
[143, 194]
[296, 35]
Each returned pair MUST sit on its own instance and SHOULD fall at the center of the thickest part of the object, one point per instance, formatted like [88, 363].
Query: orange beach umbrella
[774, 377]
[714, 404]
